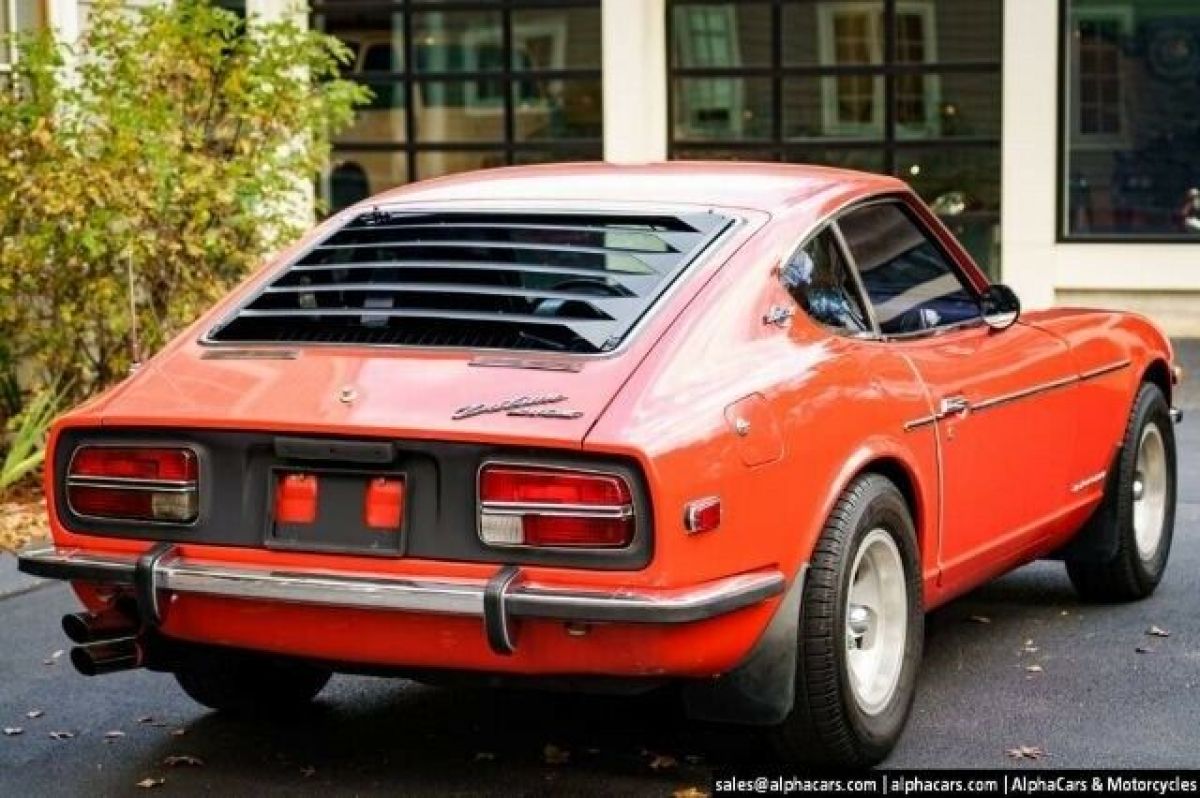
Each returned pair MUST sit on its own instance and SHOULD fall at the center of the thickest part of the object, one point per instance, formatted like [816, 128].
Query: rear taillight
[134, 483]
[535, 506]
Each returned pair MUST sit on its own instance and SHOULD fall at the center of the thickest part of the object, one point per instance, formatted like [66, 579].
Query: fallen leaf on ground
[1144, 650]
[1026, 752]
[34, 714]
[690, 792]
[146, 719]
[115, 734]
[1035, 669]
[13, 731]
[53, 658]
[183, 760]
[61, 735]
[1157, 631]
[553, 755]
[979, 619]
[151, 783]
[663, 762]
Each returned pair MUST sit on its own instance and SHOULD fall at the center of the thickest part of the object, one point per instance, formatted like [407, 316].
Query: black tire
[245, 685]
[827, 726]
[1128, 575]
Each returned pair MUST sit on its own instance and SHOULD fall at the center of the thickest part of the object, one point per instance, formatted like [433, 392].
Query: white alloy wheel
[876, 622]
[1149, 491]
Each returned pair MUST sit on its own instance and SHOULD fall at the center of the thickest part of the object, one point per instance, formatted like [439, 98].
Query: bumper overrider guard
[497, 601]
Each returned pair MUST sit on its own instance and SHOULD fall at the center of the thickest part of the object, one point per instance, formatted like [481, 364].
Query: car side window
[820, 281]
[909, 282]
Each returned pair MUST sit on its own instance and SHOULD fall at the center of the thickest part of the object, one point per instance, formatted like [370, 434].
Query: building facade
[1059, 139]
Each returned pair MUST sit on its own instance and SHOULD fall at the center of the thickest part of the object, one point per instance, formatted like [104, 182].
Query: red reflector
[546, 486]
[385, 503]
[120, 462]
[552, 530]
[702, 515]
[296, 499]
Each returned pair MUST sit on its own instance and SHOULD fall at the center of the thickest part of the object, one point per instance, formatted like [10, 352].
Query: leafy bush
[27, 447]
[157, 161]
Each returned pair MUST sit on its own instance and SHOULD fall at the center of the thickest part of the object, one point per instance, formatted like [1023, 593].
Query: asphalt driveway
[1101, 692]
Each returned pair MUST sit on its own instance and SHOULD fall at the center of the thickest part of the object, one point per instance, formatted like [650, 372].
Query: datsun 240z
[728, 427]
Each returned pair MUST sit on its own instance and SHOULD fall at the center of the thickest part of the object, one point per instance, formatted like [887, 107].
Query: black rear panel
[542, 281]
[237, 477]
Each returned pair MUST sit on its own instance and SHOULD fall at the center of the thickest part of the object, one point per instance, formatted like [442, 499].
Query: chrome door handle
[954, 405]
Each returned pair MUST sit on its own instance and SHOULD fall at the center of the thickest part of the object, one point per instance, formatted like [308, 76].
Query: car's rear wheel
[861, 629]
[245, 685]
[1138, 508]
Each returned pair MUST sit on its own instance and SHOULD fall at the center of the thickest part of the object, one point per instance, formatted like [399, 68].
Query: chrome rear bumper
[503, 596]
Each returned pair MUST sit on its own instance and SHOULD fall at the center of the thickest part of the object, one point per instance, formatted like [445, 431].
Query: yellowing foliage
[164, 151]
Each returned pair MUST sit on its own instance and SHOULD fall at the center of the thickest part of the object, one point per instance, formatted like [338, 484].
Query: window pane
[435, 164]
[374, 36]
[846, 106]
[958, 30]
[1132, 87]
[457, 41]
[828, 34]
[557, 109]
[721, 35]
[722, 108]
[695, 153]
[556, 38]
[908, 281]
[557, 155]
[819, 280]
[963, 188]
[383, 119]
[467, 110]
[948, 105]
[357, 175]
[864, 160]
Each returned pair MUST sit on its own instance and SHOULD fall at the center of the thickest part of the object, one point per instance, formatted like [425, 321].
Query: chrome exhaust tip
[109, 656]
[89, 627]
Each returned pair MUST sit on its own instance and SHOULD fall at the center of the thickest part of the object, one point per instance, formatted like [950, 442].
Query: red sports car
[731, 427]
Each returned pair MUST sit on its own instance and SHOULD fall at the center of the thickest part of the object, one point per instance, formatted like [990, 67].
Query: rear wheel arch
[891, 462]
[1159, 373]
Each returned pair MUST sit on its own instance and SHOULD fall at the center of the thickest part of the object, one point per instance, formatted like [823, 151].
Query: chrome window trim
[898, 198]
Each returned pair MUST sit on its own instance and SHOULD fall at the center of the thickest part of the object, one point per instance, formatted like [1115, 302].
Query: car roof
[757, 186]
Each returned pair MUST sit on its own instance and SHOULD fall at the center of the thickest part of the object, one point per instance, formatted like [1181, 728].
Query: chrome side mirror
[1000, 306]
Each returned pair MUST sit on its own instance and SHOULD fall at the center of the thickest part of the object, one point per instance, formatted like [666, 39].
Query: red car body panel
[821, 409]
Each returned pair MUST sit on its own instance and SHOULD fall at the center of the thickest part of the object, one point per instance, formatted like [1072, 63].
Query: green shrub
[27, 445]
[158, 159]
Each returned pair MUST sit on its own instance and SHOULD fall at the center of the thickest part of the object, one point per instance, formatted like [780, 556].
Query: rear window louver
[542, 281]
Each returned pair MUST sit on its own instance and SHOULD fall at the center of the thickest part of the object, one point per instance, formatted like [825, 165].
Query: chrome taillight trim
[507, 509]
[188, 486]
[118, 483]
[570, 510]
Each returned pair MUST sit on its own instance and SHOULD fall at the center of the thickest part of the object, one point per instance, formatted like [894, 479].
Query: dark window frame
[776, 144]
[1061, 179]
[507, 146]
[965, 279]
